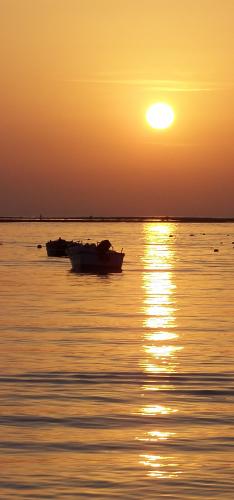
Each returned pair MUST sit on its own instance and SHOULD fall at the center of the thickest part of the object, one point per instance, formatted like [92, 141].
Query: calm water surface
[118, 386]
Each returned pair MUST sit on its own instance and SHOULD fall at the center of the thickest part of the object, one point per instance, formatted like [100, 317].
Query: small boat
[58, 248]
[91, 257]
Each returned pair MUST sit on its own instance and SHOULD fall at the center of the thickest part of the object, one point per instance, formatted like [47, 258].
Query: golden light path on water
[160, 342]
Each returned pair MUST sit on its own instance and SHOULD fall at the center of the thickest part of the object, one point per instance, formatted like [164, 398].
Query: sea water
[118, 386]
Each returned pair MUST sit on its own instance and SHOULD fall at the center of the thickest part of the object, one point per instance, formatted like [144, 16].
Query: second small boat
[58, 248]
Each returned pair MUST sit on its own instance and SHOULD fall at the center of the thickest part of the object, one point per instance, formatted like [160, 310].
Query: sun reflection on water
[160, 467]
[158, 409]
[160, 344]
[159, 304]
[156, 436]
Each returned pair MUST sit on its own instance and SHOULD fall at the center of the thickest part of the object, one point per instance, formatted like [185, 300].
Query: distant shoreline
[118, 219]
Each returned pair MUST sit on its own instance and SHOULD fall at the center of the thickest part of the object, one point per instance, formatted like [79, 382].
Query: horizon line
[111, 218]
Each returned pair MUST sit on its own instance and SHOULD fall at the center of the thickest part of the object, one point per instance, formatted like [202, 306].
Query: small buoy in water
[216, 250]
[39, 246]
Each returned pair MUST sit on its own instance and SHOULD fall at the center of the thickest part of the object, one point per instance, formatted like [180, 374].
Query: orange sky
[76, 79]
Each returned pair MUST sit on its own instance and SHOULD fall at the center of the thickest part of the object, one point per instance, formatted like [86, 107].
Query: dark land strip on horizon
[118, 219]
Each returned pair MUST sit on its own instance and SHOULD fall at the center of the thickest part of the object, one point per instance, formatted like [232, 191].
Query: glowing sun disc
[160, 115]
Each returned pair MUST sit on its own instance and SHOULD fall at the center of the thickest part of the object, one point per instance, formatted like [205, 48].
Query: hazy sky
[76, 79]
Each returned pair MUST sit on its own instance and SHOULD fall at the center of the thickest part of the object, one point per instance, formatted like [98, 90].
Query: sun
[160, 115]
